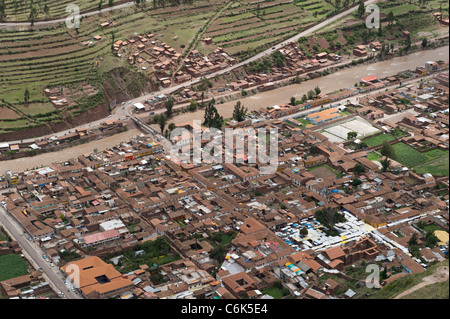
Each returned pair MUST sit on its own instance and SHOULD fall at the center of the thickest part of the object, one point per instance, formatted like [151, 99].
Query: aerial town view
[226, 154]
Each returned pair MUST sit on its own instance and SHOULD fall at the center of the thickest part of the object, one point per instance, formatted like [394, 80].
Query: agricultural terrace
[250, 26]
[343, 35]
[24, 10]
[34, 59]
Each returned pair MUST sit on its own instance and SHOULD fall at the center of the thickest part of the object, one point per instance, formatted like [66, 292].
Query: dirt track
[441, 274]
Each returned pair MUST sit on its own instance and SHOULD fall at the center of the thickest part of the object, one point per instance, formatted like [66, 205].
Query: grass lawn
[3, 235]
[303, 121]
[12, 266]
[378, 140]
[439, 290]
[398, 286]
[372, 156]
[432, 228]
[276, 292]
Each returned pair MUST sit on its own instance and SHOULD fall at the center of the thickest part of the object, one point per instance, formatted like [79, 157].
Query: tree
[361, 9]
[193, 105]
[362, 145]
[304, 231]
[424, 43]
[212, 117]
[33, 14]
[390, 17]
[26, 96]
[351, 135]
[387, 150]
[240, 112]
[408, 43]
[359, 169]
[385, 164]
[172, 126]
[431, 240]
[413, 240]
[356, 182]
[329, 216]
[317, 90]
[311, 94]
[161, 121]
[2, 10]
[169, 107]
[113, 38]
[293, 100]
[218, 253]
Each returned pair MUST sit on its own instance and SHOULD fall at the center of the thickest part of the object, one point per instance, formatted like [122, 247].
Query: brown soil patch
[322, 172]
[6, 113]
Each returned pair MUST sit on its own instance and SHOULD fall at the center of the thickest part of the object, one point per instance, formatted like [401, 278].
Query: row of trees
[312, 94]
[212, 118]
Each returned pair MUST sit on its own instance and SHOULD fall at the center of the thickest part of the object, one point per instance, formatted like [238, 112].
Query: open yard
[338, 132]
[323, 171]
[150, 253]
[378, 140]
[12, 266]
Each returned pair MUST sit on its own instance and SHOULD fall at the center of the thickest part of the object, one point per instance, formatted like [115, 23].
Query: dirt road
[440, 275]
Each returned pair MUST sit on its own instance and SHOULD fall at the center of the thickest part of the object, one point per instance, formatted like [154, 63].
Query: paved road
[34, 254]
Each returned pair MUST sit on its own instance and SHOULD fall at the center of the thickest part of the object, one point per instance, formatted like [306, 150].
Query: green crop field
[12, 266]
[378, 140]
[439, 166]
[433, 162]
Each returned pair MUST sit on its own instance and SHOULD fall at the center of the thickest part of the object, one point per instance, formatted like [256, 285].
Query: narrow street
[34, 255]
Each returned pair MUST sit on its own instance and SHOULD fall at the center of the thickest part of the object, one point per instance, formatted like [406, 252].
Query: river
[46, 159]
[330, 83]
